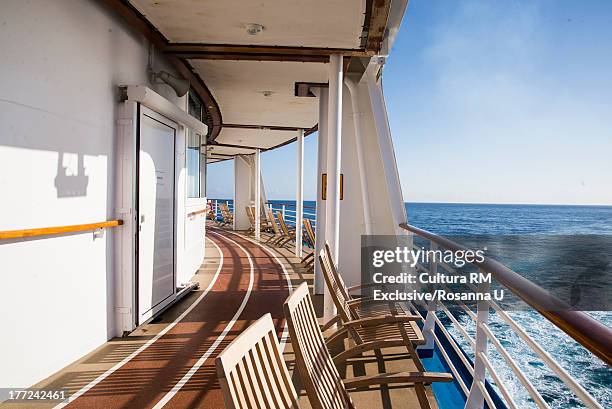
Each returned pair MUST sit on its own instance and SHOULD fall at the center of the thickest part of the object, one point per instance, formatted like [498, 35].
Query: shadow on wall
[71, 180]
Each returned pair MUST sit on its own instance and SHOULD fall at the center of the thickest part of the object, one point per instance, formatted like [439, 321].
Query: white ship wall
[60, 64]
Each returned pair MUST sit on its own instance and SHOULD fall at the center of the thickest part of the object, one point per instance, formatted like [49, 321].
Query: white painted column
[363, 176]
[319, 281]
[334, 129]
[299, 197]
[257, 195]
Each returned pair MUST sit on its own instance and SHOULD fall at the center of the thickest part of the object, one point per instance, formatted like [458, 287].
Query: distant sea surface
[531, 220]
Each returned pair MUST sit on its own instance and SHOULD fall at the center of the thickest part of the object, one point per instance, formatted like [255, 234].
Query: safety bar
[47, 231]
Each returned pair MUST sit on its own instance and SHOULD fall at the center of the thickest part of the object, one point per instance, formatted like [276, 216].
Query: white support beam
[299, 197]
[319, 281]
[334, 130]
[257, 195]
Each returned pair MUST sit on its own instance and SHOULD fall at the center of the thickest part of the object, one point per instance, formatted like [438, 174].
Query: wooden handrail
[197, 212]
[46, 231]
[586, 330]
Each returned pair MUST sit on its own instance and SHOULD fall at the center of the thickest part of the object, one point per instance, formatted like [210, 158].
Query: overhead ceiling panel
[254, 137]
[313, 23]
[262, 92]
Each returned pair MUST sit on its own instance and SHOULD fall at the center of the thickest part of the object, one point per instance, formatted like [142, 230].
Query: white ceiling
[254, 137]
[238, 87]
[306, 23]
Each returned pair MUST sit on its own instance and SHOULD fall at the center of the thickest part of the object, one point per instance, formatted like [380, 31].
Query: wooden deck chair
[395, 328]
[288, 234]
[252, 372]
[309, 258]
[263, 219]
[210, 212]
[278, 234]
[362, 306]
[249, 212]
[228, 217]
[322, 382]
[221, 210]
[263, 222]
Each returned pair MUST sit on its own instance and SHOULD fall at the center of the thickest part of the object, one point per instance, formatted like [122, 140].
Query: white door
[156, 275]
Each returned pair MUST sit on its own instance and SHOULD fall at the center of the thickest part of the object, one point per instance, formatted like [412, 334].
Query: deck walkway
[170, 361]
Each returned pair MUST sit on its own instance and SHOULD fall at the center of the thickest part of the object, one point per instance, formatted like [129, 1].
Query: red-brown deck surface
[145, 379]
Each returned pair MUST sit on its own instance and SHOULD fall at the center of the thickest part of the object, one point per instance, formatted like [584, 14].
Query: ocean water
[542, 223]
[547, 222]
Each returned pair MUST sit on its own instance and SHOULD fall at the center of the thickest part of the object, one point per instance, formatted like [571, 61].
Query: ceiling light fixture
[254, 28]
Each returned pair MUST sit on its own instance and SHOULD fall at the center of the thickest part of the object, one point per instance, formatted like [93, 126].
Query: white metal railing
[477, 393]
[216, 206]
[289, 212]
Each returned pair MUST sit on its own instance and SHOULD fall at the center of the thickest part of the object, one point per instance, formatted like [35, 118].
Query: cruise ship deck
[126, 285]
[170, 362]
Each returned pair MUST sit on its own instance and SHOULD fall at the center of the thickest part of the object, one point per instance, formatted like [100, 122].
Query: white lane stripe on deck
[100, 378]
[168, 396]
[285, 334]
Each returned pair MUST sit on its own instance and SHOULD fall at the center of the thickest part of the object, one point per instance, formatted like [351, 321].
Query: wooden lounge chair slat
[323, 384]
[247, 383]
[282, 385]
[251, 371]
[266, 385]
[239, 397]
[255, 375]
[320, 359]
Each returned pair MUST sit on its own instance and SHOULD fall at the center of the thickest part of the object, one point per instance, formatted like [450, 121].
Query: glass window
[193, 164]
[196, 160]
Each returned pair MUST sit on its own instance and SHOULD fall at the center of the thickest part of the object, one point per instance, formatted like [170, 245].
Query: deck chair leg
[419, 388]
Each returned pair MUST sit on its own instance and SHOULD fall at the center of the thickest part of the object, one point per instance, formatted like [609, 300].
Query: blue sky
[488, 102]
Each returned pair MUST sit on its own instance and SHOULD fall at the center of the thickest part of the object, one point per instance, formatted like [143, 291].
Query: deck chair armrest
[365, 300]
[381, 319]
[362, 301]
[397, 377]
[364, 285]
[330, 323]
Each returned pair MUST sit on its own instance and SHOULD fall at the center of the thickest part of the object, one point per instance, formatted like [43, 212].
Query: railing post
[430, 318]
[283, 211]
[216, 209]
[476, 398]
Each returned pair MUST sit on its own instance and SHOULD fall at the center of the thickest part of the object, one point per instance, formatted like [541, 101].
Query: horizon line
[464, 203]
